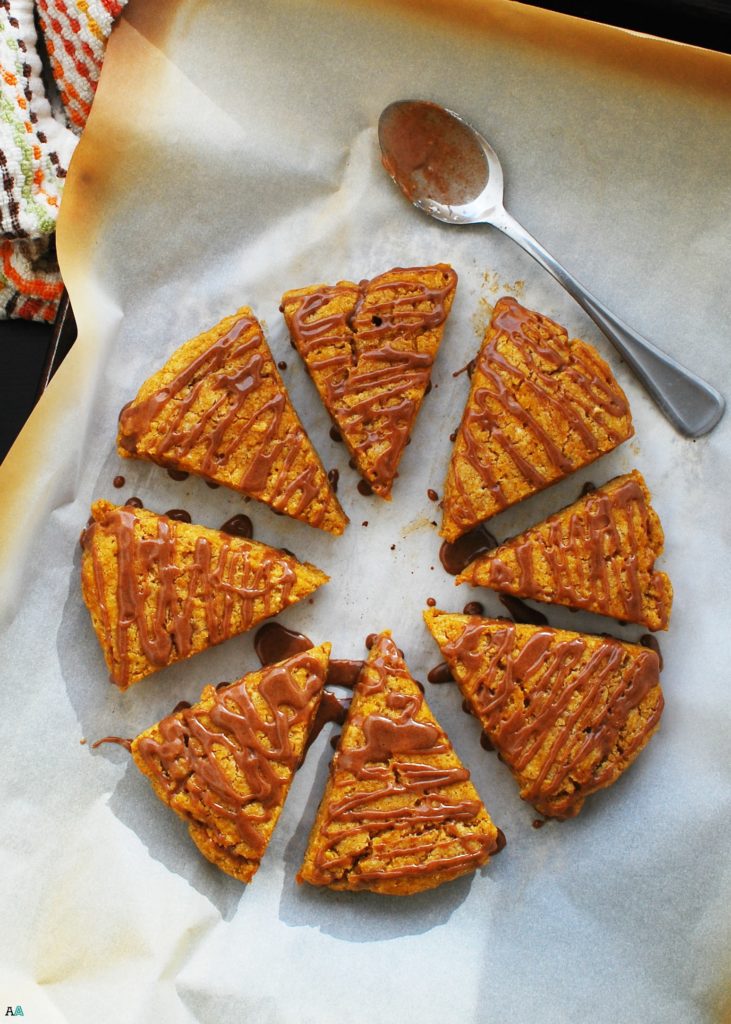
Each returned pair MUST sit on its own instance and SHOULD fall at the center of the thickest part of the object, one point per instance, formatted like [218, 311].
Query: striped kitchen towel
[39, 129]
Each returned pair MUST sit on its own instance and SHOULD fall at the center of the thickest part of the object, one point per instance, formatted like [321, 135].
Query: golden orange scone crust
[540, 407]
[597, 554]
[159, 590]
[566, 712]
[399, 813]
[369, 349]
[225, 764]
[218, 408]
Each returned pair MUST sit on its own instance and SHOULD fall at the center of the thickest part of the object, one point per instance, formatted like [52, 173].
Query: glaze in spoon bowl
[449, 170]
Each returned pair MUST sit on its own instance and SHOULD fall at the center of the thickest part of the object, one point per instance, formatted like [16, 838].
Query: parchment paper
[231, 154]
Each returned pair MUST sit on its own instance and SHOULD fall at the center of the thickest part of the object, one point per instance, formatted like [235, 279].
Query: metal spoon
[448, 170]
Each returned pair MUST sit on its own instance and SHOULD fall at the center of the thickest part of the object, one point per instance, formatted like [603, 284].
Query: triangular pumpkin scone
[597, 554]
[369, 349]
[225, 764]
[159, 590]
[566, 712]
[540, 407]
[218, 408]
[399, 813]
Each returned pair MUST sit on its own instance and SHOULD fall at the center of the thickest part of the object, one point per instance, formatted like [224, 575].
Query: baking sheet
[231, 155]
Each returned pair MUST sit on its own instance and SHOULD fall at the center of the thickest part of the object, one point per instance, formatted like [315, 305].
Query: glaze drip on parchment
[273, 642]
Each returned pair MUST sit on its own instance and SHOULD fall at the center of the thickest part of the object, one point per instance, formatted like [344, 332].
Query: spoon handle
[691, 405]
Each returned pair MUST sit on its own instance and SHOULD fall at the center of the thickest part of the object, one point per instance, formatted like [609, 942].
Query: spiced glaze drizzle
[591, 557]
[156, 588]
[558, 701]
[391, 787]
[373, 383]
[233, 761]
[274, 642]
[529, 355]
[281, 468]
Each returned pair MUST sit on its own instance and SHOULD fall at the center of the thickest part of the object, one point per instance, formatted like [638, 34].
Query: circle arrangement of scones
[567, 712]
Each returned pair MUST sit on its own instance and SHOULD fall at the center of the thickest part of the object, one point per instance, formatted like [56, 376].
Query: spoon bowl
[446, 168]
[443, 165]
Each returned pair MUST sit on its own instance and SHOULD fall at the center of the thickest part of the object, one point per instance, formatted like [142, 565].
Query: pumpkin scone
[369, 349]
[219, 409]
[566, 712]
[540, 407]
[399, 813]
[225, 764]
[159, 590]
[597, 554]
